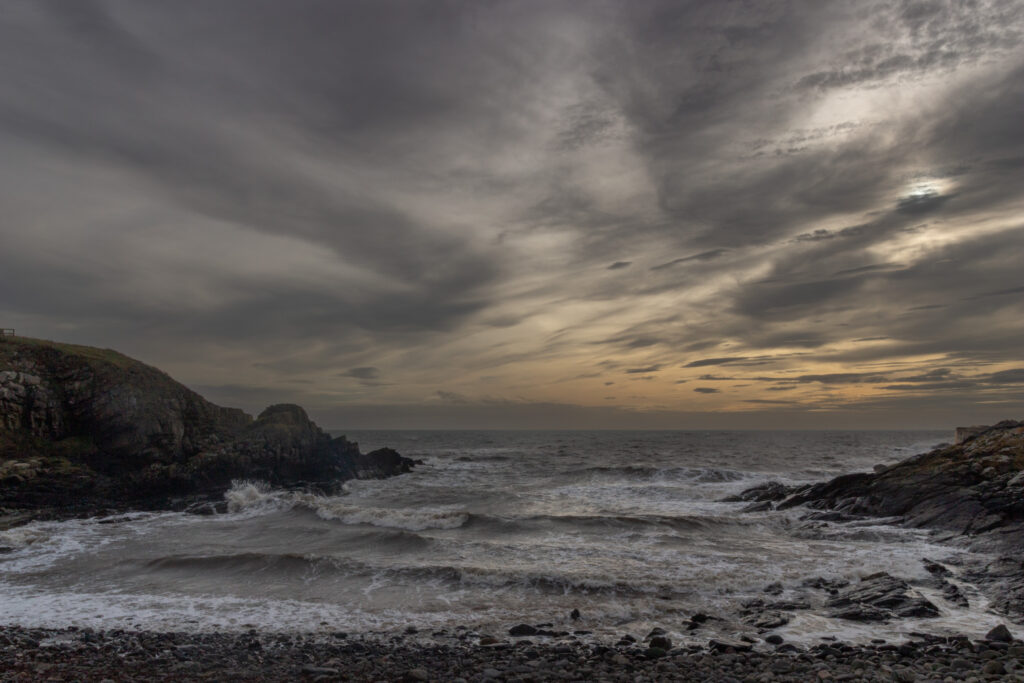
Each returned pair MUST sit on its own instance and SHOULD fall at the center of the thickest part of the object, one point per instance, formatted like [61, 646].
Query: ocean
[492, 530]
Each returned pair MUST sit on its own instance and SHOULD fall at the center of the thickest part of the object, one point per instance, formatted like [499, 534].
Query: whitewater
[491, 530]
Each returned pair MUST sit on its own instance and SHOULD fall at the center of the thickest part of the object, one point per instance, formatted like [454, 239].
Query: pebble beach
[463, 655]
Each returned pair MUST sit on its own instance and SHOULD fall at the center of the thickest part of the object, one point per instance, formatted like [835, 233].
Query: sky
[528, 214]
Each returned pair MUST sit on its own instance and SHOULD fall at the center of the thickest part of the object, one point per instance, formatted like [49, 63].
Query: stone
[522, 630]
[662, 642]
[414, 675]
[724, 644]
[770, 491]
[768, 620]
[879, 597]
[1000, 633]
[993, 667]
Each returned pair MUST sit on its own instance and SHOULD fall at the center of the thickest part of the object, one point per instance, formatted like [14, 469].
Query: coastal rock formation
[84, 428]
[974, 488]
[970, 492]
[879, 597]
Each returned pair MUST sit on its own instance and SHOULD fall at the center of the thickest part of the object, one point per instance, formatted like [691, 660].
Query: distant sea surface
[494, 529]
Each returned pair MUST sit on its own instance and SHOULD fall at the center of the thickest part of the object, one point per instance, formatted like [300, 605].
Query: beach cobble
[86, 655]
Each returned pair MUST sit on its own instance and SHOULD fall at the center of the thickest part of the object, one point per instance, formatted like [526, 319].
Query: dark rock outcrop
[880, 597]
[974, 488]
[84, 428]
[971, 493]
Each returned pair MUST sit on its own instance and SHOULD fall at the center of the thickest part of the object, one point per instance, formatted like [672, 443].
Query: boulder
[1000, 634]
[879, 597]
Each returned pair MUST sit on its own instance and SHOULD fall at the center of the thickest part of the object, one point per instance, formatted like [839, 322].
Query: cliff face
[85, 427]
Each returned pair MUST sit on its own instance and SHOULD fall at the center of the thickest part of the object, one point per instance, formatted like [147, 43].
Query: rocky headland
[86, 430]
[970, 494]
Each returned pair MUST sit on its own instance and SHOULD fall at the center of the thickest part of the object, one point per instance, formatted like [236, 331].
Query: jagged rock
[963, 488]
[84, 428]
[725, 644]
[879, 597]
[860, 613]
[831, 585]
[952, 593]
[770, 491]
[935, 568]
[972, 489]
[768, 620]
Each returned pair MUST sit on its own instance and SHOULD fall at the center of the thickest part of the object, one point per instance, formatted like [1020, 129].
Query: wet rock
[821, 582]
[953, 594]
[522, 630]
[765, 621]
[770, 491]
[1000, 633]
[935, 568]
[879, 597]
[574, 615]
[92, 429]
[726, 644]
[661, 641]
[993, 668]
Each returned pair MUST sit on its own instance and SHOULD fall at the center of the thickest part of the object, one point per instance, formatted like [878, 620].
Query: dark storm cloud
[725, 360]
[641, 371]
[1015, 376]
[363, 373]
[160, 130]
[814, 183]
[998, 292]
[703, 256]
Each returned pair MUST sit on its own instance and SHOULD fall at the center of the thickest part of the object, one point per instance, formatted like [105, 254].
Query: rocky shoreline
[87, 432]
[969, 495]
[463, 655]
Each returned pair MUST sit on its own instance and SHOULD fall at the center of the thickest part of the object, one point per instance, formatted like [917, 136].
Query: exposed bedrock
[971, 492]
[84, 428]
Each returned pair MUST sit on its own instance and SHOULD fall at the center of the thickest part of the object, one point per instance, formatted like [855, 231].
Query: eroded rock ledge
[971, 493]
[84, 429]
